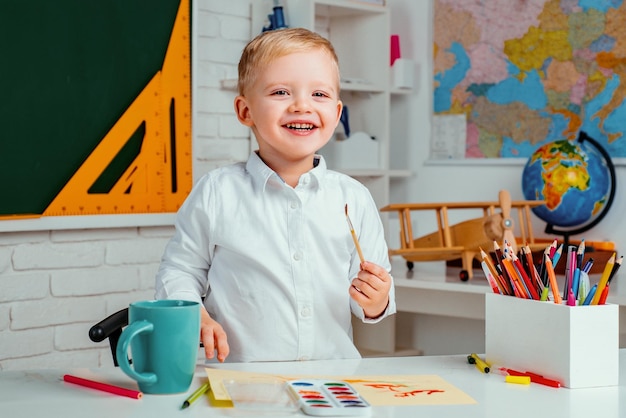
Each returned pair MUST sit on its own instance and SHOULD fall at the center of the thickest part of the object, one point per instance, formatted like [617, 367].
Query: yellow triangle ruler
[160, 177]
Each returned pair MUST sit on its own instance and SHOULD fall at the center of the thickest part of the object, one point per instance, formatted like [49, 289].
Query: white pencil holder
[576, 345]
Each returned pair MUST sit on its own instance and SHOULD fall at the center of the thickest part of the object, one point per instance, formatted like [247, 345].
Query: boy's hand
[370, 289]
[213, 337]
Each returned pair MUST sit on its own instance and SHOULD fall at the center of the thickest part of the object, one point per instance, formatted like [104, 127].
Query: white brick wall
[55, 284]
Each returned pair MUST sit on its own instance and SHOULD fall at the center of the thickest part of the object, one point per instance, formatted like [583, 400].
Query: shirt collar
[261, 174]
[319, 169]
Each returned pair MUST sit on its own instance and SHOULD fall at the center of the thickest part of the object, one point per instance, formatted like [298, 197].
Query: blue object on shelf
[277, 19]
[344, 119]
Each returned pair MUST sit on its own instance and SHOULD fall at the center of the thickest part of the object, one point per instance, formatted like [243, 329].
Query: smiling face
[293, 108]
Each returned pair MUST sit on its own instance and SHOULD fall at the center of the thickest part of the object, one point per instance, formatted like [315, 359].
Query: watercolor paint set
[328, 398]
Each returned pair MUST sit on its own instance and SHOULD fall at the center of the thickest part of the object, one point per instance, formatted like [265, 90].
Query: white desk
[42, 393]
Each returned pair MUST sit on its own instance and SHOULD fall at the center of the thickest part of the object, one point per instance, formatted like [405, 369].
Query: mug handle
[128, 334]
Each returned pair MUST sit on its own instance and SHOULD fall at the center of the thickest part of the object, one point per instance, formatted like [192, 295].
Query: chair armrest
[111, 328]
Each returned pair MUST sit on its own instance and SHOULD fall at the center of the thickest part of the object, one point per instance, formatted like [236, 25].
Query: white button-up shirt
[275, 262]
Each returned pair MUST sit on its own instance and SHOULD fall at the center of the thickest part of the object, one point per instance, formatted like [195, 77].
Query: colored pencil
[603, 280]
[529, 285]
[504, 289]
[103, 387]
[490, 278]
[499, 259]
[553, 284]
[515, 279]
[195, 395]
[615, 268]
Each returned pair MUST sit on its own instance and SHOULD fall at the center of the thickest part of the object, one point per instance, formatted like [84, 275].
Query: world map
[523, 73]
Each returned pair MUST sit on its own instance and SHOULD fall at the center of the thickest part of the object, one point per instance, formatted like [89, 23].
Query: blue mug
[163, 336]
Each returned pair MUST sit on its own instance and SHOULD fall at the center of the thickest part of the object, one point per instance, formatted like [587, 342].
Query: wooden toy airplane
[465, 239]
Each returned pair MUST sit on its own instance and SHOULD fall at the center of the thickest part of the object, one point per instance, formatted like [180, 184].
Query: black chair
[111, 328]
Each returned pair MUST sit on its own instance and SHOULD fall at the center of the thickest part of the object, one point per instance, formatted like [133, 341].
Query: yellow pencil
[603, 280]
[354, 238]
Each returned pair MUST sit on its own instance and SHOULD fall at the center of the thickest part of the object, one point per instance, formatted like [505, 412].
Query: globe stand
[582, 137]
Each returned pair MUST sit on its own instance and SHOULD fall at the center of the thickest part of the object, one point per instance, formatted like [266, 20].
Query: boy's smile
[293, 108]
[300, 126]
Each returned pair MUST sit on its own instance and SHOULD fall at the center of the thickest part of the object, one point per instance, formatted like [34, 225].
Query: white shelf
[362, 86]
[401, 92]
[229, 84]
[346, 85]
[349, 7]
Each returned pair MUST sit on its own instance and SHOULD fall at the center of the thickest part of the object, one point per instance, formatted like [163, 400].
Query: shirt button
[294, 205]
[297, 256]
[305, 312]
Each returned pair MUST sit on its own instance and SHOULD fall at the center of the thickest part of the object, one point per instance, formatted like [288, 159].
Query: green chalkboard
[68, 70]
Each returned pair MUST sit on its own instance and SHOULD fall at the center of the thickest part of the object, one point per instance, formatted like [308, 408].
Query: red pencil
[535, 378]
[103, 387]
[529, 284]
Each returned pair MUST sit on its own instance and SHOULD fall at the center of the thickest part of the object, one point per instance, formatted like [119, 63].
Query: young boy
[266, 242]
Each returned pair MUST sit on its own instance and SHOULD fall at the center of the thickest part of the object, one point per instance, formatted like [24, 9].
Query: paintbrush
[354, 238]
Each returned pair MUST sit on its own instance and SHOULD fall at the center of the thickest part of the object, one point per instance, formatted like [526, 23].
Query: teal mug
[163, 336]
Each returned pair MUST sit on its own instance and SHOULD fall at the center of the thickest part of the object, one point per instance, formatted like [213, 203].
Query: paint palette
[328, 398]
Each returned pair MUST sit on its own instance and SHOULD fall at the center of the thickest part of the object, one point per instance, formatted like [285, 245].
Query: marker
[570, 266]
[604, 295]
[591, 294]
[194, 396]
[520, 380]
[576, 282]
[103, 387]
[583, 287]
[535, 378]
[557, 256]
[571, 299]
[478, 362]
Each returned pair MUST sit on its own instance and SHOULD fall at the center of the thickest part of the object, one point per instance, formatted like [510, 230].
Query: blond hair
[274, 44]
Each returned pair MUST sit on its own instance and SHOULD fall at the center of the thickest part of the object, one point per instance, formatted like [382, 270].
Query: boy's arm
[213, 337]
[183, 272]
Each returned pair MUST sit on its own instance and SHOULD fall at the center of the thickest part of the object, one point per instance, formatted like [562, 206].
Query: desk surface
[41, 393]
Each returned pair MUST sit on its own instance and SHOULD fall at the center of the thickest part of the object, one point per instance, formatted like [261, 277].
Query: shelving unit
[360, 34]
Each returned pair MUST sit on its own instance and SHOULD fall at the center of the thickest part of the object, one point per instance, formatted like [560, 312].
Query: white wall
[55, 284]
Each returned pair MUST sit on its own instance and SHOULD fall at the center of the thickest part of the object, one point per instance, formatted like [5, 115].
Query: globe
[575, 178]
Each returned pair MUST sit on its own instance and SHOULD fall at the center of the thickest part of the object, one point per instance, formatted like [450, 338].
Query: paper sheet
[390, 390]
[448, 137]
